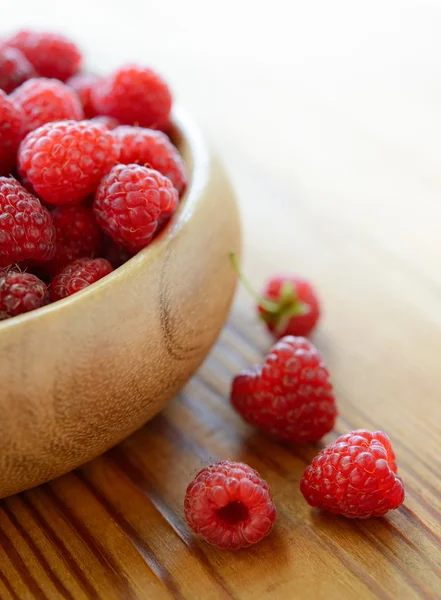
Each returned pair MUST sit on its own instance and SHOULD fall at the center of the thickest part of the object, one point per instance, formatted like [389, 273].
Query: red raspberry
[47, 100]
[78, 275]
[20, 293]
[230, 505]
[153, 149]
[290, 395]
[134, 95]
[12, 131]
[108, 122]
[290, 306]
[78, 236]
[82, 83]
[14, 69]
[26, 228]
[51, 54]
[132, 202]
[354, 477]
[65, 161]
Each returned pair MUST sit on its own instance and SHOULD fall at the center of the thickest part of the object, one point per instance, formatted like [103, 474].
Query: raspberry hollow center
[233, 513]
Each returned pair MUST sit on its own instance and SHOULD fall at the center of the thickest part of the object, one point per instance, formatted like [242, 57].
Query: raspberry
[132, 202]
[12, 131]
[20, 293]
[116, 255]
[354, 477]
[151, 148]
[108, 122]
[14, 69]
[26, 228]
[51, 54]
[78, 275]
[47, 100]
[134, 95]
[65, 161]
[230, 505]
[77, 236]
[82, 83]
[290, 395]
[290, 306]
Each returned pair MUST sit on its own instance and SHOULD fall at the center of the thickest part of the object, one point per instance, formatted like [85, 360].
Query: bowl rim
[198, 167]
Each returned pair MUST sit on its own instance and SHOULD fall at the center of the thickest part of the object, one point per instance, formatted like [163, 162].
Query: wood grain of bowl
[78, 376]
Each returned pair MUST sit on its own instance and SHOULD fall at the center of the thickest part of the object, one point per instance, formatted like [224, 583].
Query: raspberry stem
[267, 305]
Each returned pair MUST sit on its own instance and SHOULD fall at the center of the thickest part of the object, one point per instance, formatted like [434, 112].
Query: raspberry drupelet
[152, 149]
[132, 203]
[26, 228]
[20, 293]
[12, 131]
[51, 54]
[290, 396]
[65, 161]
[356, 476]
[14, 69]
[229, 505]
[78, 275]
[47, 100]
[133, 95]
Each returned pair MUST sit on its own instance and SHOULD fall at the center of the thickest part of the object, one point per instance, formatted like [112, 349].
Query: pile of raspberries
[88, 175]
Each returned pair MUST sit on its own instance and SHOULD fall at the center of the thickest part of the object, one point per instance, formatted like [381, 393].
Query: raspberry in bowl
[79, 374]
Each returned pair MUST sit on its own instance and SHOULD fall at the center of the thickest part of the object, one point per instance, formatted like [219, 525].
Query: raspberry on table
[108, 122]
[132, 202]
[51, 54]
[229, 505]
[47, 100]
[82, 83]
[290, 306]
[356, 476]
[65, 161]
[134, 95]
[152, 149]
[26, 228]
[14, 69]
[12, 131]
[20, 293]
[77, 236]
[290, 396]
[78, 275]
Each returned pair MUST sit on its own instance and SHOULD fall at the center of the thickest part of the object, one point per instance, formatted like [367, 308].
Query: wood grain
[328, 117]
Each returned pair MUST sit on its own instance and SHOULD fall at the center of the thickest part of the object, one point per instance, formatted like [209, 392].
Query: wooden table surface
[328, 117]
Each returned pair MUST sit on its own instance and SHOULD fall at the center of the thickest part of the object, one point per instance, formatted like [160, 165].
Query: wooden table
[328, 116]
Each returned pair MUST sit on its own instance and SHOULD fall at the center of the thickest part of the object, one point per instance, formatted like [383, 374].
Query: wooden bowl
[78, 376]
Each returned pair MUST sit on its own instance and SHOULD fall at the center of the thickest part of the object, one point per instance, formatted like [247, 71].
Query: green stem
[267, 305]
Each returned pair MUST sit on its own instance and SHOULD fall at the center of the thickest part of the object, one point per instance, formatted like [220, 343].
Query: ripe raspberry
[131, 202]
[78, 275]
[134, 95]
[230, 505]
[108, 122]
[47, 100]
[51, 54]
[26, 228]
[116, 255]
[14, 69]
[290, 306]
[153, 149]
[354, 477]
[65, 161]
[12, 131]
[20, 293]
[290, 395]
[78, 236]
[82, 83]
